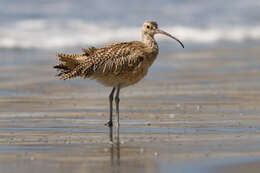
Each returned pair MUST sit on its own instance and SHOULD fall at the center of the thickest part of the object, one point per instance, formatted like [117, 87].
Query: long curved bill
[158, 31]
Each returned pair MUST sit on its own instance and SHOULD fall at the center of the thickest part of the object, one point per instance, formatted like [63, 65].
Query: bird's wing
[117, 57]
[110, 59]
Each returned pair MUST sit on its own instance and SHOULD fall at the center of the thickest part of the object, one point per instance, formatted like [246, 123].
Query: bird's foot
[109, 124]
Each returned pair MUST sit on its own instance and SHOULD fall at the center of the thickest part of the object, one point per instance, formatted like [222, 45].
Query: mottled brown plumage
[120, 63]
[117, 65]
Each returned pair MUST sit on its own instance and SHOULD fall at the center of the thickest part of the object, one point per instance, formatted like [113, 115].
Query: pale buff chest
[126, 77]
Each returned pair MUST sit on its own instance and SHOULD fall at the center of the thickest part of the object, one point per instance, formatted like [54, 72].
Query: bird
[115, 65]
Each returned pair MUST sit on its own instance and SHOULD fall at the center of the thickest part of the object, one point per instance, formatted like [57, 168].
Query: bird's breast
[127, 76]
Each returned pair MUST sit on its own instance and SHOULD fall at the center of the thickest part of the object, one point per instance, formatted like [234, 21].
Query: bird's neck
[149, 41]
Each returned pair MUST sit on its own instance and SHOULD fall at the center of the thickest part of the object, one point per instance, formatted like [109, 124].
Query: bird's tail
[68, 67]
[75, 65]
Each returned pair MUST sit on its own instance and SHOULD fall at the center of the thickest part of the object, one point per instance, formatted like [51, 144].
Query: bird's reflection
[114, 149]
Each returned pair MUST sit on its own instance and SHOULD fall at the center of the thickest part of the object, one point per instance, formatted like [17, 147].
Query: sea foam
[53, 34]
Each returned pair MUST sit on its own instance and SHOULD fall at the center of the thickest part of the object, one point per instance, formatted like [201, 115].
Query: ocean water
[51, 24]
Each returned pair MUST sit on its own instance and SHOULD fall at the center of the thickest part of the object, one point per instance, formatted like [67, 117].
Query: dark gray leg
[117, 100]
[117, 112]
[111, 96]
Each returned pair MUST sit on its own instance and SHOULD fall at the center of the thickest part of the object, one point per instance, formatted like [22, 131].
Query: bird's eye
[148, 27]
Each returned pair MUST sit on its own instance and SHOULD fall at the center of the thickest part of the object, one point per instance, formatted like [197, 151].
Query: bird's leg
[111, 96]
[117, 112]
[117, 104]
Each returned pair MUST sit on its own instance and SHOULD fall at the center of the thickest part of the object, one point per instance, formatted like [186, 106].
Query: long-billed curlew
[117, 65]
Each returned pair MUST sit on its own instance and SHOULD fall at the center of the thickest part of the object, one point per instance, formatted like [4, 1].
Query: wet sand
[196, 111]
[252, 167]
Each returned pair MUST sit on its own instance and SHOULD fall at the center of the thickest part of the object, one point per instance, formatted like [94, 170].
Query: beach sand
[196, 111]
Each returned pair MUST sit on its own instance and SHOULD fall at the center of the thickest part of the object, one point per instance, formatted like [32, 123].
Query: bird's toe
[109, 124]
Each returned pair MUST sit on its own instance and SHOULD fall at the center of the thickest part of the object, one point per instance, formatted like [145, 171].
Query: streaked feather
[114, 59]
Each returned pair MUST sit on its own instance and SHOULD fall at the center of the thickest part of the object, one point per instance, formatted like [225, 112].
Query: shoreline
[198, 105]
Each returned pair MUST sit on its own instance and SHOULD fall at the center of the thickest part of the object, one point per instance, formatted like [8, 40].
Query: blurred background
[49, 24]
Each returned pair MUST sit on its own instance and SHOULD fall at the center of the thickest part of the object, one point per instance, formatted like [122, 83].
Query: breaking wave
[50, 34]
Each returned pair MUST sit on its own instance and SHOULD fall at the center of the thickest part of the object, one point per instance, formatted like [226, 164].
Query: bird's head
[151, 28]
